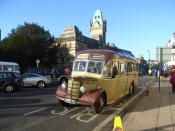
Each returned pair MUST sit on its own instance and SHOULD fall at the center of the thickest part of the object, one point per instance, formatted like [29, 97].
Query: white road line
[87, 108]
[29, 113]
[70, 111]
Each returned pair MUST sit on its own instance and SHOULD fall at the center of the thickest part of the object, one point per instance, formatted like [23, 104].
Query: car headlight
[82, 89]
[63, 85]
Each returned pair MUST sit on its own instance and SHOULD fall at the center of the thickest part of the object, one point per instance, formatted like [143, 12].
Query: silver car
[32, 79]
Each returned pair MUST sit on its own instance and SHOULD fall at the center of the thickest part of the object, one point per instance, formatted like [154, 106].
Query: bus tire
[99, 104]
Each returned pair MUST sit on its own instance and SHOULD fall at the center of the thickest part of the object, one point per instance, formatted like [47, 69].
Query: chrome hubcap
[41, 84]
[9, 88]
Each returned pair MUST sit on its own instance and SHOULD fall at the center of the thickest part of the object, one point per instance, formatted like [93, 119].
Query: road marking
[87, 108]
[90, 117]
[29, 113]
[64, 112]
[54, 112]
[70, 111]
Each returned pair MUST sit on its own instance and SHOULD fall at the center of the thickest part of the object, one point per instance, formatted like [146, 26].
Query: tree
[27, 43]
[62, 54]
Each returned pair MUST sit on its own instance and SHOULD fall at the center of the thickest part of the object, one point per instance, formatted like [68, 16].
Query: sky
[136, 25]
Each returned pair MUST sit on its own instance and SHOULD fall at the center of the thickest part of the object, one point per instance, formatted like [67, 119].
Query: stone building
[167, 53]
[75, 41]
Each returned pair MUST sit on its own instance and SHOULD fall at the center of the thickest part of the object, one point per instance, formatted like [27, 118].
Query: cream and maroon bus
[99, 77]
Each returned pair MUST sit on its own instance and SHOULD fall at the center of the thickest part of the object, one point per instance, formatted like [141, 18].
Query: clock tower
[98, 28]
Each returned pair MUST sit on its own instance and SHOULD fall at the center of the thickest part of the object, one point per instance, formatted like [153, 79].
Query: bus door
[112, 80]
[123, 74]
[128, 68]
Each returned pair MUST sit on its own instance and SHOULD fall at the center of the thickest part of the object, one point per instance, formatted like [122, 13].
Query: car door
[2, 80]
[34, 78]
[24, 79]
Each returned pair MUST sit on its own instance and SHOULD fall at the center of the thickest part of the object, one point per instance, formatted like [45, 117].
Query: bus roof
[7, 63]
[109, 54]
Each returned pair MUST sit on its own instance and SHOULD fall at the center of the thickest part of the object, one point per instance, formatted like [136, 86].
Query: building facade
[167, 53]
[163, 54]
[75, 41]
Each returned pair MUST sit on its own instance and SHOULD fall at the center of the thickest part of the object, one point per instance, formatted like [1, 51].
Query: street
[36, 109]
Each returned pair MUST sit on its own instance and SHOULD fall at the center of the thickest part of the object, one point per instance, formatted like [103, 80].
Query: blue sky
[135, 25]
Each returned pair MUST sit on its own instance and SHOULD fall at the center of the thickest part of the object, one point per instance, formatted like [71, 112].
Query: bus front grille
[73, 90]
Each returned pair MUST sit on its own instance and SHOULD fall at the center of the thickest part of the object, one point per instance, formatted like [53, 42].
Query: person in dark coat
[172, 78]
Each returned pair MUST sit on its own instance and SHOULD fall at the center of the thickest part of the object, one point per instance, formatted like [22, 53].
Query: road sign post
[37, 62]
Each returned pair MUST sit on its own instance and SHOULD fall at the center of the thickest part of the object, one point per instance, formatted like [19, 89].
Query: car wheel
[99, 105]
[41, 84]
[9, 88]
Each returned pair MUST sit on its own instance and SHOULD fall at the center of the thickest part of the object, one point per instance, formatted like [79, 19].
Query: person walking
[172, 78]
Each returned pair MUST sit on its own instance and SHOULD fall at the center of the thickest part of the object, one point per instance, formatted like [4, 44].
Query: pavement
[155, 111]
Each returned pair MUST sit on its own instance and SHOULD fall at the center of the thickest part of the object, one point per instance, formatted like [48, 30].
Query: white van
[9, 66]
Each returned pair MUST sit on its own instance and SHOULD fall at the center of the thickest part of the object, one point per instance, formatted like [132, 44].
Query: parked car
[46, 72]
[10, 82]
[32, 79]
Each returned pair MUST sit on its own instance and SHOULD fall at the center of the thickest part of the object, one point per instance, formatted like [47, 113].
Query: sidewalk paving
[154, 112]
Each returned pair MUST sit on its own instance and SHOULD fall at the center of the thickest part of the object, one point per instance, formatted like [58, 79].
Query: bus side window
[122, 68]
[115, 69]
[107, 70]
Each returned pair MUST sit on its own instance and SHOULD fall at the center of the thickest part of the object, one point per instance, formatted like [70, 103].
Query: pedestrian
[149, 71]
[154, 73]
[67, 71]
[172, 78]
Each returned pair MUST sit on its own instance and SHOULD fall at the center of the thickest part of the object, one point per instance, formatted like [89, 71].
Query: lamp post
[149, 70]
[149, 56]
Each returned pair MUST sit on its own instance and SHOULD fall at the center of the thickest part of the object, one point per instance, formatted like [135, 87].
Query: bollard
[147, 90]
[118, 124]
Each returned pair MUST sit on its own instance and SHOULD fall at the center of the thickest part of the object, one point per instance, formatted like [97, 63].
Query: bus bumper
[88, 98]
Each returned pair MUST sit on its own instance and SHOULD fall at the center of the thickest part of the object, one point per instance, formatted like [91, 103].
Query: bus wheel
[99, 105]
[131, 89]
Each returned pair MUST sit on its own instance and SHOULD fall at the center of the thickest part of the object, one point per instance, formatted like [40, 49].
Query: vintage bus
[9, 66]
[99, 77]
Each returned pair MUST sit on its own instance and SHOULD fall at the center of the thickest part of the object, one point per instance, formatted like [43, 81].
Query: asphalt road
[34, 109]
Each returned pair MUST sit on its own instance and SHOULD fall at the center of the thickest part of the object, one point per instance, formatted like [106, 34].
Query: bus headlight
[82, 89]
[63, 85]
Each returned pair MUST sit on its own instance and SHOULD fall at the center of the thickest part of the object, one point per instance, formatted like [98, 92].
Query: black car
[10, 82]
